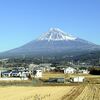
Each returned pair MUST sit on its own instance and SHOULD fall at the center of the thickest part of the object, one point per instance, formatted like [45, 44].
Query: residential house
[69, 70]
[37, 73]
[31, 67]
[45, 67]
[16, 73]
[6, 73]
[84, 71]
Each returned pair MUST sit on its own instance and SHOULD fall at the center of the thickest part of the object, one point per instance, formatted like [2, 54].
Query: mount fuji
[52, 43]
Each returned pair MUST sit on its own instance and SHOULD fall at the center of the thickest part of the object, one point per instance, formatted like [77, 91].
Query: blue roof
[6, 72]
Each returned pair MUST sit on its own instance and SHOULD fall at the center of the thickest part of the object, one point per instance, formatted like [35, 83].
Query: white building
[32, 67]
[77, 79]
[37, 73]
[45, 67]
[85, 71]
[69, 70]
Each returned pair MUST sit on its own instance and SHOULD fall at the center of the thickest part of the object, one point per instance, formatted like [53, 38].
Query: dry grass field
[91, 92]
[81, 92]
[34, 93]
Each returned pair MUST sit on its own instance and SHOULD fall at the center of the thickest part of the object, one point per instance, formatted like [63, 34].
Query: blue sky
[24, 20]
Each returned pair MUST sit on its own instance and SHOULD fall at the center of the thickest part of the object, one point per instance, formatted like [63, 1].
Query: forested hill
[91, 57]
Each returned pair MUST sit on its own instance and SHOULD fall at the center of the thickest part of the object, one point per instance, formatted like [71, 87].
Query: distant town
[16, 69]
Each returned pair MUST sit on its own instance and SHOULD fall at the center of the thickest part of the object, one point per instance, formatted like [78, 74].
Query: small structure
[56, 80]
[69, 70]
[45, 66]
[77, 79]
[84, 71]
[16, 74]
[37, 73]
[6, 73]
[32, 66]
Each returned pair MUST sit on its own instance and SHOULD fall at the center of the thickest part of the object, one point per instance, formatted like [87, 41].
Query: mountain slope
[54, 42]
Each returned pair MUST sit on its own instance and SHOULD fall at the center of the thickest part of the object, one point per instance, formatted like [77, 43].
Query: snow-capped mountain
[52, 43]
[55, 34]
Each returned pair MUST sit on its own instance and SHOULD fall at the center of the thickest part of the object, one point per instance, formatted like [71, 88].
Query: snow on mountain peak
[55, 34]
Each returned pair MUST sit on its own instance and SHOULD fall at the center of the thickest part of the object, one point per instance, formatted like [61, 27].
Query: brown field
[81, 92]
[91, 92]
[26, 91]
[33, 93]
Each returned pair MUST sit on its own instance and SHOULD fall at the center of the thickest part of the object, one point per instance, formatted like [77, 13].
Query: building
[31, 66]
[69, 70]
[84, 71]
[6, 73]
[77, 79]
[37, 73]
[45, 67]
[16, 74]
[56, 80]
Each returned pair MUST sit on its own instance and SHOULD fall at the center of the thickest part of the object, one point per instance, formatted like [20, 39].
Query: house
[16, 73]
[77, 79]
[69, 70]
[6, 73]
[84, 71]
[4, 60]
[52, 68]
[45, 66]
[31, 66]
[37, 73]
[59, 69]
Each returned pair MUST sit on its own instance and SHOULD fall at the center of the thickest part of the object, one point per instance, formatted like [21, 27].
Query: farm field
[33, 93]
[91, 92]
[81, 92]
